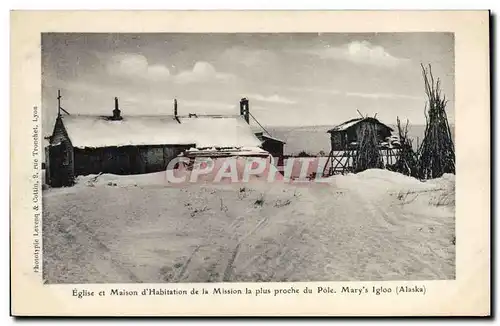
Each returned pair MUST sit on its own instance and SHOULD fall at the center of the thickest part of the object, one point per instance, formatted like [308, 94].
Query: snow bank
[374, 185]
[378, 183]
[446, 195]
[373, 176]
[446, 180]
[157, 178]
[263, 232]
[389, 177]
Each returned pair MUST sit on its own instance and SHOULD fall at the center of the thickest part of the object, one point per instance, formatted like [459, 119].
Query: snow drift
[372, 226]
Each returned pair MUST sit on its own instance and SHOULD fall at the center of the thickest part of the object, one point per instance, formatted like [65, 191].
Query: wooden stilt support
[326, 164]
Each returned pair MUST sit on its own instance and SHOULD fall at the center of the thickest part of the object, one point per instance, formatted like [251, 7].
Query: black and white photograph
[250, 163]
[248, 157]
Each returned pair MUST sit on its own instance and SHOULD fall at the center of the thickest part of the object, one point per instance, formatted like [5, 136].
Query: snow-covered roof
[202, 131]
[350, 123]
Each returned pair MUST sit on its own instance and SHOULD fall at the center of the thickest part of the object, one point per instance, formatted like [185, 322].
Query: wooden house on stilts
[345, 140]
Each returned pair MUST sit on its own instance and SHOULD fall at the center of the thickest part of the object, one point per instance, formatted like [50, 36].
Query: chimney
[116, 111]
[245, 109]
[175, 108]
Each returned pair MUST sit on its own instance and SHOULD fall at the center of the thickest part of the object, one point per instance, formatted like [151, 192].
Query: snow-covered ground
[375, 225]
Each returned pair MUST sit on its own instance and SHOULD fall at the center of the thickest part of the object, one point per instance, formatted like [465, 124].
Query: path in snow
[349, 230]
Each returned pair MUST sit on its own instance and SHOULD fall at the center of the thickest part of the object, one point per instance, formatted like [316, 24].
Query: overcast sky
[290, 79]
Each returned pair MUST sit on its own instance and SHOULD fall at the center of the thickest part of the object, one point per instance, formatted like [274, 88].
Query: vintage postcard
[261, 163]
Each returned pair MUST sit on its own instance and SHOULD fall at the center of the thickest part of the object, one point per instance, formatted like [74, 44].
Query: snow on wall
[203, 131]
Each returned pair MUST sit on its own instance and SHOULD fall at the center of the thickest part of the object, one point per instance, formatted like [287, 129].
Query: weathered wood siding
[88, 161]
[152, 156]
[341, 140]
[338, 140]
[61, 157]
[382, 131]
[125, 160]
[47, 165]
[172, 151]
[275, 148]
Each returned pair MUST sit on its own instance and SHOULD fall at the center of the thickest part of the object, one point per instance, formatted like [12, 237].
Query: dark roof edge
[273, 138]
[334, 129]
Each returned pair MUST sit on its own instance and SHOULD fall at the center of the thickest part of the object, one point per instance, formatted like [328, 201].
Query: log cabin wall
[126, 159]
[61, 157]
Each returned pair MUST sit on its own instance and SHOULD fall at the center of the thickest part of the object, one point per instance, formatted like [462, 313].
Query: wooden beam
[58, 102]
